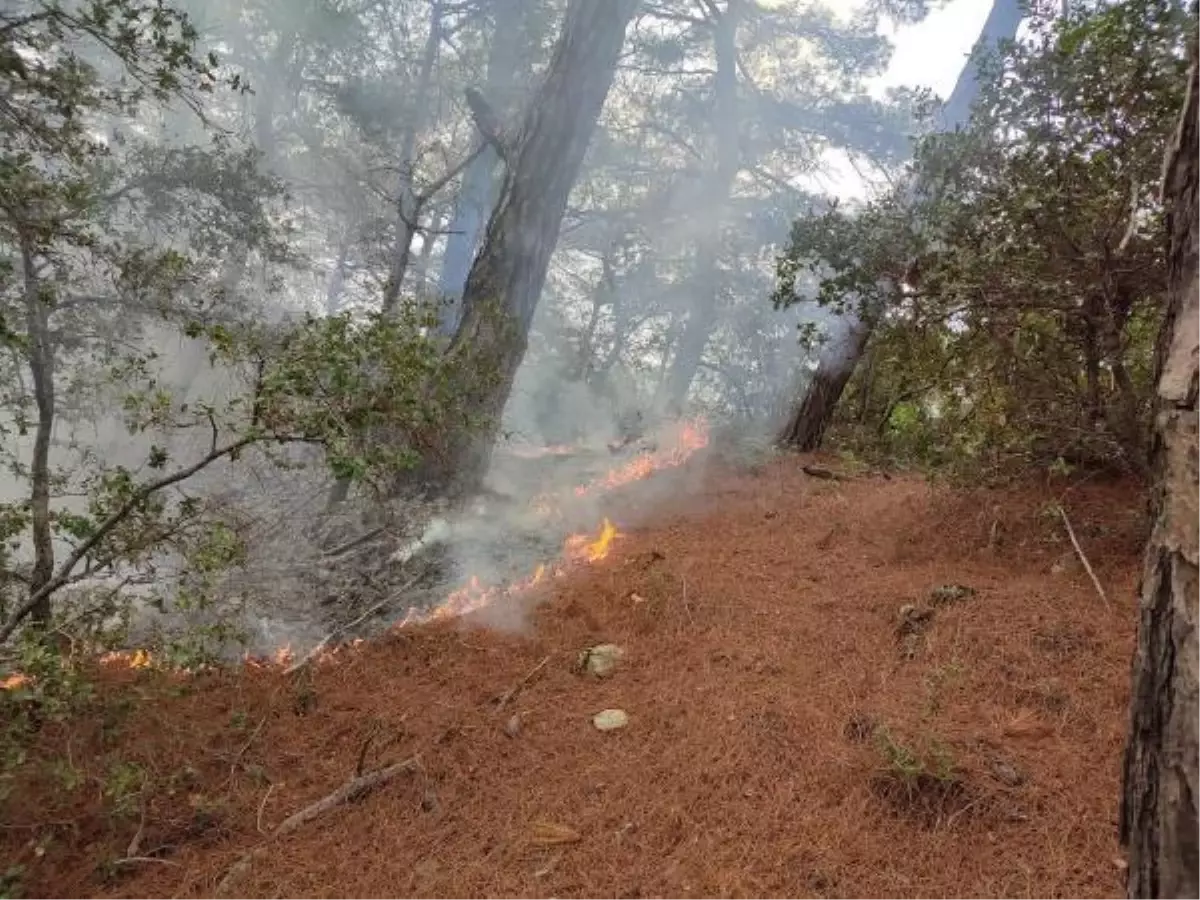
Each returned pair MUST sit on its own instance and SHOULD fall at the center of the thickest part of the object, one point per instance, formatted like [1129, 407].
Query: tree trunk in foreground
[813, 411]
[805, 428]
[1158, 804]
[506, 279]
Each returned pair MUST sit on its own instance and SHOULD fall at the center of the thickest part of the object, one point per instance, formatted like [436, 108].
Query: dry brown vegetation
[794, 728]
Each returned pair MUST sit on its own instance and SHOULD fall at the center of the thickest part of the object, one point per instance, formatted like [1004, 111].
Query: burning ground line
[577, 549]
[474, 596]
[693, 436]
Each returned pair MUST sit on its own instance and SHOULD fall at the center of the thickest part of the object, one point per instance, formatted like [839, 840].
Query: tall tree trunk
[706, 282]
[420, 269]
[407, 205]
[477, 193]
[507, 277]
[1159, 795]
[810, 418]
[40, 356]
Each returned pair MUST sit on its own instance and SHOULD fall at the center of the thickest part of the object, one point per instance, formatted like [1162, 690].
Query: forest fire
[578, 549]
[693, 436]
[475, 596]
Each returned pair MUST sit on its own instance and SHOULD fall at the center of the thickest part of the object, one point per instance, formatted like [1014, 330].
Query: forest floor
[793, 728]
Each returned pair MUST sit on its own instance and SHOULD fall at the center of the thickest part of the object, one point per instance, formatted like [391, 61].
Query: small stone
[1007, 773]
[513, 726]
[945, 594]
[602, 659]
[610, 719]
[913, 619]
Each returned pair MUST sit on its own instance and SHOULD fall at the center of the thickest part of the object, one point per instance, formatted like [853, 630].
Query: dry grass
[780, 742]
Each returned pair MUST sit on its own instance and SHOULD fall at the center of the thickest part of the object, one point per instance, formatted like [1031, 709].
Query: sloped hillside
[857, 687]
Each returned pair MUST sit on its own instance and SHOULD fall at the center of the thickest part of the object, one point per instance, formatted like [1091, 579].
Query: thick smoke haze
[725, 121]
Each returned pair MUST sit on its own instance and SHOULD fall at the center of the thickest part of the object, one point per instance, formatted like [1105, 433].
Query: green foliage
[47, 687]
[910, 762]
[10, 882]
[1018, 278]
[106, 230]
[374, 391]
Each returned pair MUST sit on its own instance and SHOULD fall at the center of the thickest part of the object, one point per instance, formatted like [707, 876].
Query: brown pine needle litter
[789, 734]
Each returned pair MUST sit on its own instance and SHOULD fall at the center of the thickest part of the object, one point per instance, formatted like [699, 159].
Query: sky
[932, 53]
[929, 54]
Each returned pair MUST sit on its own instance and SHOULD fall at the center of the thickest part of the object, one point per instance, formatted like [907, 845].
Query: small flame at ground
[474, 596]
[579, 547]
[133, 659]
[14, 681]
[693, 436]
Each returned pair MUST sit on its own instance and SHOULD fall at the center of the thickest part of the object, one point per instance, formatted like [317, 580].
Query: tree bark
[507, 277]
[506, 57]
[40, 356]
[809, 420]
[1159, 793]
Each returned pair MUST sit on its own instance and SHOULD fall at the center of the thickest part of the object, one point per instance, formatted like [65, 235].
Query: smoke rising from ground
[350, 111]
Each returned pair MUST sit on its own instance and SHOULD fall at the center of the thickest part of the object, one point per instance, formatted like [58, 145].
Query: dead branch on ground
[1082, 558]
[512, 692]
[352, 790]
[822, 473]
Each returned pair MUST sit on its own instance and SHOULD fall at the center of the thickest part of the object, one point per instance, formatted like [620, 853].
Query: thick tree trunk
[809, 420]
[507, 277]
[1159, 796]
[806, 426]
[506, 56]
[706, 281]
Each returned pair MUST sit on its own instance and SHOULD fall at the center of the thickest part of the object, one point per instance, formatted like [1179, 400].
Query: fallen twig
[261, 807]
[132, 860]
[354, 789]
[819, 472]
[1082, 558]
[355, 542]
[512, 692]
[246, 746]
[135, 845]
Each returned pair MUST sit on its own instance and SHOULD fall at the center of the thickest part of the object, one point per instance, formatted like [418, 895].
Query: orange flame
[14, 681]
[579, 547]
[693, 436]
[474, 595]
[133, 659]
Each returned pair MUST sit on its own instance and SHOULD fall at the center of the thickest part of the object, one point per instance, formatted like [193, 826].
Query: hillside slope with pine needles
[816, 707]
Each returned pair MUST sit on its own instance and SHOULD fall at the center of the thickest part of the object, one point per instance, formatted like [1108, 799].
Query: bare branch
[63, 575]
[486, 121]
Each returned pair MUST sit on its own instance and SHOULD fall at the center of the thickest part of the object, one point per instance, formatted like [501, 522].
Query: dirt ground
[793, 729]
